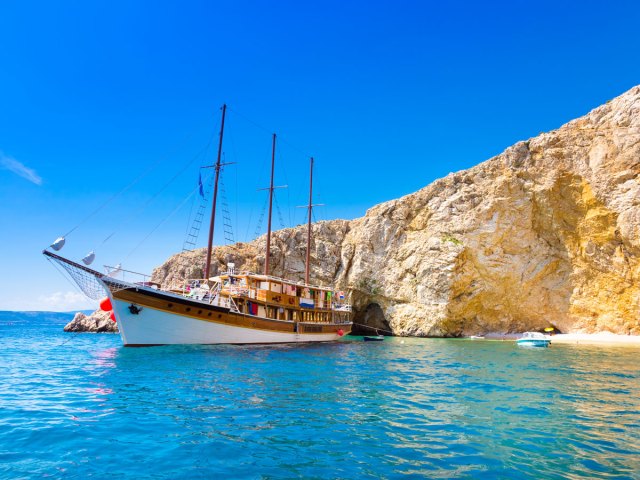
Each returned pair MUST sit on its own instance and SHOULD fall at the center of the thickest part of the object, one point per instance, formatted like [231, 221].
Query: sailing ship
[229, 308]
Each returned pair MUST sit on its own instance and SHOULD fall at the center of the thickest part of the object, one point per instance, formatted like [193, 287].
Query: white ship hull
[156, 327]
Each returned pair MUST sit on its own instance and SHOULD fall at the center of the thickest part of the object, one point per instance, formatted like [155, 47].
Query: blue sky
[387, 96]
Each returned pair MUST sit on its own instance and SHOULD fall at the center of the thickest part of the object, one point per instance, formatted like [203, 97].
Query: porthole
[188, 309]
[199, 312]
[209, 313]
[170, 305]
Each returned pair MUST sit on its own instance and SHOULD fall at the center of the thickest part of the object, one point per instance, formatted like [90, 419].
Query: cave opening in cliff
[369, 320]
[550, 330]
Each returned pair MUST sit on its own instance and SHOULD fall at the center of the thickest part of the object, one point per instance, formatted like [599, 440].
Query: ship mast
[273, 157]
[215, 195]
[310, 207]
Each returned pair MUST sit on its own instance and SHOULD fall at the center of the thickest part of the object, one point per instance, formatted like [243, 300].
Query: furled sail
[89, 258]
[58, 244]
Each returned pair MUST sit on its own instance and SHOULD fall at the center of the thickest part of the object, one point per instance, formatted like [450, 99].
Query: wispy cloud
[13, 165]
[64, 302]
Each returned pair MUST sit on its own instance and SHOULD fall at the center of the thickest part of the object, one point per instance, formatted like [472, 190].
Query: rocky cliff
[546, 233]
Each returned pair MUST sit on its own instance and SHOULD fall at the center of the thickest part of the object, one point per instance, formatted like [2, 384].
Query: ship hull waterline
[160, 318]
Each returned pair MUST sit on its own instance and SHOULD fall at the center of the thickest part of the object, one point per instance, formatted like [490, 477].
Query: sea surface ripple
[81, 405]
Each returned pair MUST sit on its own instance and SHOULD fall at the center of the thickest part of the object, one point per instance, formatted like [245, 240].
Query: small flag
[200, 184]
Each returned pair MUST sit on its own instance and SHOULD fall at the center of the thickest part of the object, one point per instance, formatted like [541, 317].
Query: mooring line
[373, 328]
[75, 334]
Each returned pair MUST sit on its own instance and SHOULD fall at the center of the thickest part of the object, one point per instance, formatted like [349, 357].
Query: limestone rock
[546, 233]
[97, 322]
[288, 251]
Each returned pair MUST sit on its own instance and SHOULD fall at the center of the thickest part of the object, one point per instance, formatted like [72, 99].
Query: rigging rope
[62, 272]
[259, 226]
[161, 222]
[246, 235]
[281, 140]
[234, 159]
[130, 185]
[153, 197]
[256, 124]
[193, 202]
[237, 202]
[373, 328]
[275, 200]
[194, 224]
[226, 216]
[75, 285]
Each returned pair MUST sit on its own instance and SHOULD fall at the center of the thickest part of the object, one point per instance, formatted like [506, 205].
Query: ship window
[188, 309]
[170, 305]
[209, 313]
[199, 312]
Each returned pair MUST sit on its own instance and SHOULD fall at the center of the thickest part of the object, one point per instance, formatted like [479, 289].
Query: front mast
[215, 195]
[273, 156]
[308, 262]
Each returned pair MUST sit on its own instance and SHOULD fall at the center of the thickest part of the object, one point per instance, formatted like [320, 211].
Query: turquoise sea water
[81, 405]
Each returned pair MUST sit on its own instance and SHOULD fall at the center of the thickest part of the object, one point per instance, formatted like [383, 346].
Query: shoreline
[602, 338]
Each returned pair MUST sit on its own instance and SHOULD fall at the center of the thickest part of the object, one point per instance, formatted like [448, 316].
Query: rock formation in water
[546, 233]
[97, 322]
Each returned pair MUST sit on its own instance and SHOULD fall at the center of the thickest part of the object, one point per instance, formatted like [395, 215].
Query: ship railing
[189, 284]
[236, 290]
[341, 307]
[219, 300]
[342, 321]
[196, 288]
[214, 293]
[232, 305]
[271, 278]
[128, 276]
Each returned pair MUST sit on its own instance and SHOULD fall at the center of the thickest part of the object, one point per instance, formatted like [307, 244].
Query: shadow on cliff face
[368, 319]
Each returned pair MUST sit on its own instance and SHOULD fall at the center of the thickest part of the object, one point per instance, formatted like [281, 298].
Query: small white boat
[534, 339]
[375, 338]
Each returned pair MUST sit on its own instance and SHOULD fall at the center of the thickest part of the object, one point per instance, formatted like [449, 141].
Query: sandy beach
[602, 338]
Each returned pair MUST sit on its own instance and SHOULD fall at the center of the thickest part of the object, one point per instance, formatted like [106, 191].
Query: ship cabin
[280, 299]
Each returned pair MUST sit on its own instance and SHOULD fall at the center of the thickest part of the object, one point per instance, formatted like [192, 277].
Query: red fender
[105, 304]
